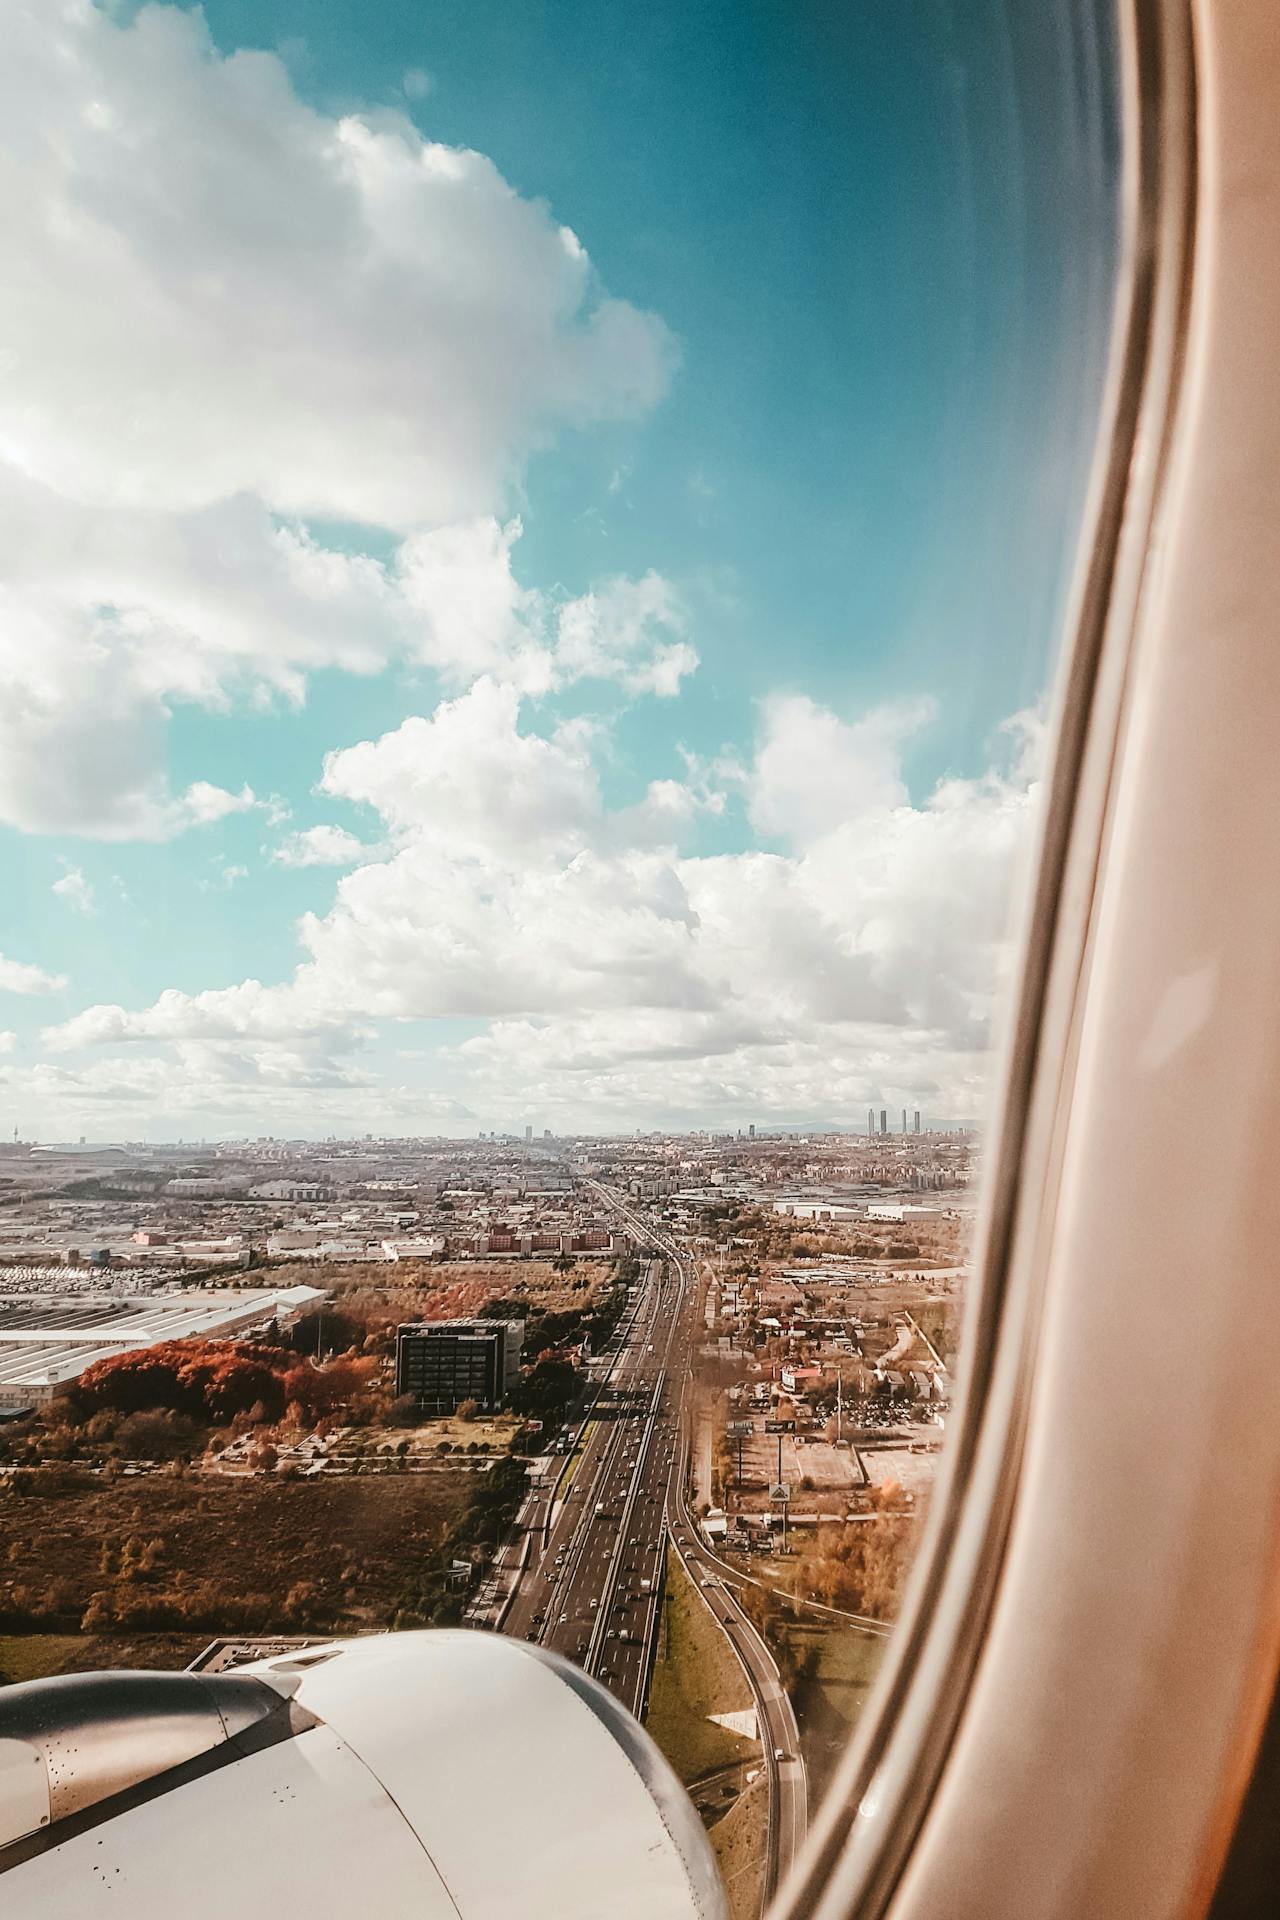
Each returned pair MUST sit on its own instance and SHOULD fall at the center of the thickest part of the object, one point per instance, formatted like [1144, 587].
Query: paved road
[590, 1582]
[583, 1570]
[524, 1571]
[788, 1783]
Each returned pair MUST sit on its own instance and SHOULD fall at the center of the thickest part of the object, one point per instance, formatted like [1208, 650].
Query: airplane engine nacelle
[441, 1775]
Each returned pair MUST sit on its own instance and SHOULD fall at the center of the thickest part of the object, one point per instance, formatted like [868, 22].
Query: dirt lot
[409, 1288]
[220, 1555]
[912, 1469]
[822, 1477]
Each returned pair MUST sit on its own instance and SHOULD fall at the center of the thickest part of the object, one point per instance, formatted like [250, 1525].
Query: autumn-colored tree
[206, 1380]
[326, 1331]
[98, 1615]
[317, 1391]
[302, 1600]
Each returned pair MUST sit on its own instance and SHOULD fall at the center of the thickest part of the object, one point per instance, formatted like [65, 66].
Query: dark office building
[884, 1120]
[443, 1362]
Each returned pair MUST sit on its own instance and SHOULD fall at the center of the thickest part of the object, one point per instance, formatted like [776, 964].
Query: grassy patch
[33, 1656]
[739, 1842]
[837, 1667]
[569, 1472]
[696, 1674]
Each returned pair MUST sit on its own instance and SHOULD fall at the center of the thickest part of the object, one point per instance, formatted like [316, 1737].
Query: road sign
[780, 1494]
[779, 1426]
[740, 1429]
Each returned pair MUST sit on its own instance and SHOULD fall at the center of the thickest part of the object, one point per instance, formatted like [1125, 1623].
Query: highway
[583, 1571]
[779, 1735]
[590, 1583]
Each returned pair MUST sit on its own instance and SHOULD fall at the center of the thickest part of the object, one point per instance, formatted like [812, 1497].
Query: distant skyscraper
[751, 1131]
[871, 1123]
[917, 1117]
[904, 1119]
[884, 1120]
[528, 1133]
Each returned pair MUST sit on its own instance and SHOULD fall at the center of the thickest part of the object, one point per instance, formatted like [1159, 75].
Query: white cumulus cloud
[323, 846]
[221, 289]
[813, 769]
[75, 890]
[20, 976]
[229, 318]
[620, 974]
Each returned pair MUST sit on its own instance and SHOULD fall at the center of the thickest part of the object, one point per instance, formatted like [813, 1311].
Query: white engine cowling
[441, 1775]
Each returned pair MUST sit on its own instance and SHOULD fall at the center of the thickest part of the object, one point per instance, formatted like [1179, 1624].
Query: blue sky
[857, 265]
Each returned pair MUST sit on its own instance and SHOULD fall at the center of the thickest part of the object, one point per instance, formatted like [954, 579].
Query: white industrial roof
[34, 1356]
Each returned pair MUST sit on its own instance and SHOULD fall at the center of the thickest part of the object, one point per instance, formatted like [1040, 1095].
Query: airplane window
[537, 545]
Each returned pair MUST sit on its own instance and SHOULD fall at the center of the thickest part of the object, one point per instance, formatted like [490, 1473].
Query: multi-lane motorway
[779, 1735]
[590, 1586]
[583, 1572]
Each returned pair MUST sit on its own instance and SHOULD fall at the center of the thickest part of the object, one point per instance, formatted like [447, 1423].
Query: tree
[302, 1600]
[466, 1410]
[319, 1390]
[326, 1331]
[545, 1390]
[98, 1615]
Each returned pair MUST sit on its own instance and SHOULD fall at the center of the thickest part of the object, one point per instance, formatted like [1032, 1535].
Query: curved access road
[785, 1770]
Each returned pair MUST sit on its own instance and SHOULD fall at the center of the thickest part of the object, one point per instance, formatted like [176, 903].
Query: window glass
[535, 543]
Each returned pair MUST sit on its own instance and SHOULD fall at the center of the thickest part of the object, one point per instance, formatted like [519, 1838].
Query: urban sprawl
[670, 1405]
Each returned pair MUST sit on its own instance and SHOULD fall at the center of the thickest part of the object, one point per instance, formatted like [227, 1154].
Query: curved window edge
[877, 1803]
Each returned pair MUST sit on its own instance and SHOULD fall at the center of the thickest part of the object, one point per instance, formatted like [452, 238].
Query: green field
[32, 1656]
[696, 1674]
[829, 1700]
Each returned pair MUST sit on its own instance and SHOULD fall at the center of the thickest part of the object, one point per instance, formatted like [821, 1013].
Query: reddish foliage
[459, 1300]
[318, 1391]
[207, 1379]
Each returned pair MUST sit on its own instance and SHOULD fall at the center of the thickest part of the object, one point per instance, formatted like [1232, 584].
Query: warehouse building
[47, 1340]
